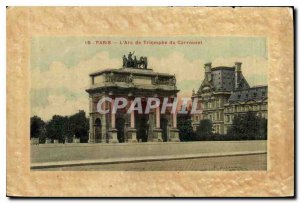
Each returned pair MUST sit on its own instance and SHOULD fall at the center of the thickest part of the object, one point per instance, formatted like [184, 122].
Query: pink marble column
[157, 114]
[131, 115]
[174, 119]
[132, 119]
[132, 130]
[113, 115]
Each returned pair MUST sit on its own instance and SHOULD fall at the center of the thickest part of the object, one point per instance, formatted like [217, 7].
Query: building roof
[136, 71]
[223, 79]
[257, 93]
[223, 68]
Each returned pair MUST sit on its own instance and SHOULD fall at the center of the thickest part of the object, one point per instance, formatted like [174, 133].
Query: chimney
[238, 74]
[207, 68]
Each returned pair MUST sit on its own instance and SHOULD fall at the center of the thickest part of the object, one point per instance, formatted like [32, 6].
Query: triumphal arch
[133, 80]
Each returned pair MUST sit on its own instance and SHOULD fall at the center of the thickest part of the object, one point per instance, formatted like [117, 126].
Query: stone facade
[224, 93]
[130, 83]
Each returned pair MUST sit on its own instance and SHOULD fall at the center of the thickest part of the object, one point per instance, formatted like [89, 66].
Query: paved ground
[229, 163]
[85, 151]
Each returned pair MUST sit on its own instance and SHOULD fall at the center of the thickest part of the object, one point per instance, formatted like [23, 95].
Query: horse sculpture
[142, 63]
[132, 62]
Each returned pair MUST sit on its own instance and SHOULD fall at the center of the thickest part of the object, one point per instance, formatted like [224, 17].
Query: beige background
[274, 23]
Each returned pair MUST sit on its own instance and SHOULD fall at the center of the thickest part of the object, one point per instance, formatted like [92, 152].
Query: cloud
[60, 105]
[64, 87]
[189, 73]
[73, 78]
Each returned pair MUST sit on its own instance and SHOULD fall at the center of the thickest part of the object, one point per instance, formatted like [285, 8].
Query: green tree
[79, 126]
[37, 126]
[263, 129]
[57, 128]
[248, 126]
[205, 130]
[184, 125]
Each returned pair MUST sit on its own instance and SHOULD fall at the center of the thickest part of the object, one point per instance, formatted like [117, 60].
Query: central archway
[142, 127]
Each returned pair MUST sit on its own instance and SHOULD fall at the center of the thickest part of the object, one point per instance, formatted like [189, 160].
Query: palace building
[224, 93]
[133, 80]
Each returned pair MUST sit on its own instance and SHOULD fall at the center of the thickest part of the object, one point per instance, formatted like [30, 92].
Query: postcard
[150, 102]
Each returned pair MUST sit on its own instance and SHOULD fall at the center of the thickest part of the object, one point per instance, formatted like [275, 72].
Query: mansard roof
[223, 80]
[223, 68]
[256, 93]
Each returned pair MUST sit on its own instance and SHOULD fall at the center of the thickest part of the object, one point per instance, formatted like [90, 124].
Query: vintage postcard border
[274, 23]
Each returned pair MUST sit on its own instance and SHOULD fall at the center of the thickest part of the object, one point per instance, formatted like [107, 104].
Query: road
[228, 163]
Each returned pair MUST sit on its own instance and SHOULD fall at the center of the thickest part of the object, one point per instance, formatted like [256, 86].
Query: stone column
[113, 115]
[132, 119]
[91, 122]
[103, 121]
[132, 130]
[174, 132]
[113, 131]
[174, 116]
[157, 131]
[157, 115]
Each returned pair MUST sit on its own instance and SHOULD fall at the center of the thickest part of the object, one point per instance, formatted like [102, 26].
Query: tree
[263, 129]
[205, 130]
[57, 128]
[36, 127]
[184, 125]
[79, 126]
[248, 126]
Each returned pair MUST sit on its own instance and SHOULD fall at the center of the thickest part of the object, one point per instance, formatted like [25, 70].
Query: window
[227, 118]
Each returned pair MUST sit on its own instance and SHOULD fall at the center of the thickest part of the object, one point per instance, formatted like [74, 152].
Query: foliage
[57, 128]
[61, 128]
[36, 126]
[205, 130]
[248, 126]
[184, 125]
[79, 126]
